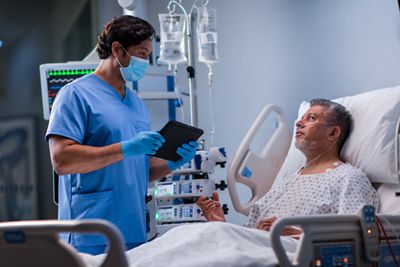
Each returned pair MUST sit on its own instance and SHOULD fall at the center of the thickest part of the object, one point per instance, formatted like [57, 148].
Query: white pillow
[371, 144]
[389, 199]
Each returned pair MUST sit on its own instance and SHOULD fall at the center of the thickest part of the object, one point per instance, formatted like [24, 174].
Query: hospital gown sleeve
[356, 192]
[254, 215]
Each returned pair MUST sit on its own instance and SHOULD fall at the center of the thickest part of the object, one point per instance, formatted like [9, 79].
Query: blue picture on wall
[18, 194]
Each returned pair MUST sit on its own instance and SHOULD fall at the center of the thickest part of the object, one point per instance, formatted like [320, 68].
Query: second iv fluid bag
[172, 46]
[207, 34]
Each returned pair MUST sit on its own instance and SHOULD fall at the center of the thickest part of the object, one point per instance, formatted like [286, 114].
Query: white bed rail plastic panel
[37, 243]
[258, 171]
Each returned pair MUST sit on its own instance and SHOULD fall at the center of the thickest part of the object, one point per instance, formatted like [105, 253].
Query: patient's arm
[211, 208]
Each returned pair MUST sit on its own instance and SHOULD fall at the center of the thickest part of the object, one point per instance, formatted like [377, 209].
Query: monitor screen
[54, 76]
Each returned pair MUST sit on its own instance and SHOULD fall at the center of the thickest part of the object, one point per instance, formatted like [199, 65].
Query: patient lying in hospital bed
[325, 185]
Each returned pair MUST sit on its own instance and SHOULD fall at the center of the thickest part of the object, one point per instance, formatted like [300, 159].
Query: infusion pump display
[175, 200]
[179, 213]
[186, 188]
[54, 76]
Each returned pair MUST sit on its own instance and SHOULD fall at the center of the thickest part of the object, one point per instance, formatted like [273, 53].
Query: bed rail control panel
[328, 255]
[370, 233]
[386, 259]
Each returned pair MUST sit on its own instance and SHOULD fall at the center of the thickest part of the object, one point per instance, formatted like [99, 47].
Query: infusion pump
[175, 196]
[175, 200]
[183, 188]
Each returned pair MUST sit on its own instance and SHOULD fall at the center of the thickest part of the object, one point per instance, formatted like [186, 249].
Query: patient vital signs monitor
[54, 76]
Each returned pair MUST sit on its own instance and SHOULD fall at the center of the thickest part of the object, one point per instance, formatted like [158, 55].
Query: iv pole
[191, 71]
[190, 19]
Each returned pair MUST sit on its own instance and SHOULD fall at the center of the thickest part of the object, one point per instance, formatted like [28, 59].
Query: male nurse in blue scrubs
[100, 140]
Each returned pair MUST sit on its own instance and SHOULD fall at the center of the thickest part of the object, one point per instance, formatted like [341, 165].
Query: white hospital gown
[343, 190]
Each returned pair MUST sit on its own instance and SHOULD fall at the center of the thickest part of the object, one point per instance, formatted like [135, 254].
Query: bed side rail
[258, 171]
[316, 229]
[330, 233]
[40, 240]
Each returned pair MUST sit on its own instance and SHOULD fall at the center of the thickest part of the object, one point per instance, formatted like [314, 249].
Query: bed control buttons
[369, 230]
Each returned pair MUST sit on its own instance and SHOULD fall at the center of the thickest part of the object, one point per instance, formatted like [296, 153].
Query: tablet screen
[175, 134]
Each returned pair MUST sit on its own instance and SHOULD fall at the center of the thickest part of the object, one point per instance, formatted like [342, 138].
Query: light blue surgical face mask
[136, 69]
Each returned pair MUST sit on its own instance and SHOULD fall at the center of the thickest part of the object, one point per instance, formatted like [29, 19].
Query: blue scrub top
[92, 113]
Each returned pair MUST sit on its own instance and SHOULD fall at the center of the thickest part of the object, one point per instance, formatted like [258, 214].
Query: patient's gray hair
[339, 116]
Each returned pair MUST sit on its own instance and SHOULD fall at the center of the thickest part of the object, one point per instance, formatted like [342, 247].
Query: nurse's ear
[119, 56]
[117, 50]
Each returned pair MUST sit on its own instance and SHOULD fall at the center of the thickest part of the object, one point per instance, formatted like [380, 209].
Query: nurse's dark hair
[127, 30]
[338, 116]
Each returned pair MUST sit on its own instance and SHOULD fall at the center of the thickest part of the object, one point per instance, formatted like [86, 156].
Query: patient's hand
[211, 208]
[292, 231]
[266, 225]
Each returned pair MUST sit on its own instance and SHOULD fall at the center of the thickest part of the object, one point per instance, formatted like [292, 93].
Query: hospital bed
[374, 146]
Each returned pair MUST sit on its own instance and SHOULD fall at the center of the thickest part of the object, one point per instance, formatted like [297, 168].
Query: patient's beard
[312, 150]
[306, 146]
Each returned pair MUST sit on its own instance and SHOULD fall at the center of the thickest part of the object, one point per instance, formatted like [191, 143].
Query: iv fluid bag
[172, 46]
[207, 34]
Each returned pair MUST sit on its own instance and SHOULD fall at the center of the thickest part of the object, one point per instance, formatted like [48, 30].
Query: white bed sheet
[205, 244]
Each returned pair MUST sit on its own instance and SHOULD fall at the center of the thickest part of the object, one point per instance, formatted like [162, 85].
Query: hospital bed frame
[37, 243]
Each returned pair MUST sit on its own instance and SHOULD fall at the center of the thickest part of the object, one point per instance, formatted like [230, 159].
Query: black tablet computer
[176, 133]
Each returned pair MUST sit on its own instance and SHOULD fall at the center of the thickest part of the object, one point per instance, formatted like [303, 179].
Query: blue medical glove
[187, 152]
[145, 142]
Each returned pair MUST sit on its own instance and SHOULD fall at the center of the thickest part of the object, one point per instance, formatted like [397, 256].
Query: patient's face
[312, 129]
